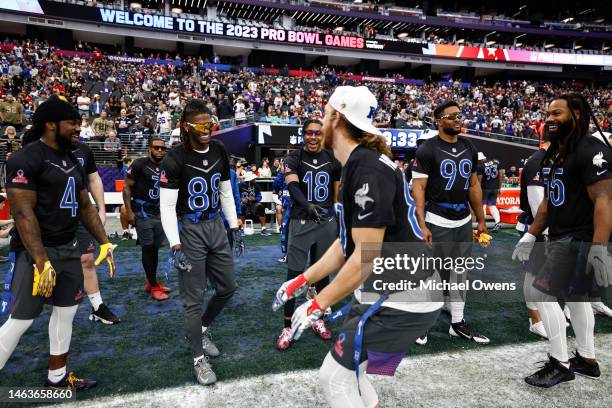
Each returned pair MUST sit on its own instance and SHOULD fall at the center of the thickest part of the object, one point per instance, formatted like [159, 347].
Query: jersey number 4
[198, 193]
[69, 200]
[318, 185]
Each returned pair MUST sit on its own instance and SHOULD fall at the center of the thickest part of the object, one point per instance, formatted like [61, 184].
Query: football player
[490, 177]
[280, 187]
[577, 209]
[46, 187]
[251, 205]
[100, 312]
[194, 187]
[312, 175]
[374, 207]
[141, 201]
[444, 187]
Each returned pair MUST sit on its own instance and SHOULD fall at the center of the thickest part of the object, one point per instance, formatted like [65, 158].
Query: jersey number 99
[448, 170]
[198, 189]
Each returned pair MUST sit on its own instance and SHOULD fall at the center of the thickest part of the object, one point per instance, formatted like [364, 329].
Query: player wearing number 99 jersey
[577, 211]
[195, 185]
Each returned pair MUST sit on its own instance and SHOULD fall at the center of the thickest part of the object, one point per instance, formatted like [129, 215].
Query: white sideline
[487, 377]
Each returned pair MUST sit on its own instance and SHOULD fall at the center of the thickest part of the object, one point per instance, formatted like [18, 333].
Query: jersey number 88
[198, 189]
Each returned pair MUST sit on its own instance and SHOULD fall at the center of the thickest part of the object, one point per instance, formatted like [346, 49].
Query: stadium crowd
[122, 103]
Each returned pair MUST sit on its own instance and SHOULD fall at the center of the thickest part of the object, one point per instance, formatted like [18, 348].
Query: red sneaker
[148, 287]
[283, 342]
[320, 330]
[157, 293]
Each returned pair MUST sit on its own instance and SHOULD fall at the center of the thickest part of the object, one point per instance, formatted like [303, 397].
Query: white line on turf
[487, 377]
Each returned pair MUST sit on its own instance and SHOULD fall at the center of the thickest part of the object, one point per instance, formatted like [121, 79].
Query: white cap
[481, 156]
[356, 103]
[427, 134]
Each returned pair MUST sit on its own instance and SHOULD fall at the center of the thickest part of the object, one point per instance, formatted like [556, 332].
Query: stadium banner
[149, 61]
[278, 134]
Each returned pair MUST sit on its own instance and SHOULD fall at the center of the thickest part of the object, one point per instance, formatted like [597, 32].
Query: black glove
[238, 242]
[180, 261]
[315, 212]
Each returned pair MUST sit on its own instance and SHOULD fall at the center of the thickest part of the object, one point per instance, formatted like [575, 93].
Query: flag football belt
[358, 343]
[5, 304]
[144, 204]
[450, 206]
[196, 217]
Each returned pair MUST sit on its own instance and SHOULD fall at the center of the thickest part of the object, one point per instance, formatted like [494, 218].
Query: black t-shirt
[317, 173]
[570, 209]
[373, 193]
[58, 179]
[145, 174]
[489, 170]
[197, 176]
[530, 176]
[449, 167]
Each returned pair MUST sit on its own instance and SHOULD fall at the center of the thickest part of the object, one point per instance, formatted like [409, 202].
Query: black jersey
[530, 176]
[317, 173]
[86, 158]
[58, 179]
[570, 209]
[448, 167]
[489, 170]
[374, 193]
[145, 173]
[197, 176]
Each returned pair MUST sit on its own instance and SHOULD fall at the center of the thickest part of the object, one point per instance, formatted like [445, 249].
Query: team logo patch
[537, 177]
[91, 247]
[362, 200]
[338, 348]
[598, 160]
[163, 178]
[454, 150]
[205, 162]
[20, 178]
[315, 161]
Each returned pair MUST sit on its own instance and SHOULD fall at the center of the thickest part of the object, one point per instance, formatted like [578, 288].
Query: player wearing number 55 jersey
[46, 189]
[141, 200]
[577, 209]
[195, 186]
[312, 175]
[444, 186]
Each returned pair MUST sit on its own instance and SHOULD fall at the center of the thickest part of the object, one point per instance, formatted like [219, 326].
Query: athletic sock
[456, 310]
[57, 375]
[287, 322]
[495, 213]
[96, 300]
[150, 257]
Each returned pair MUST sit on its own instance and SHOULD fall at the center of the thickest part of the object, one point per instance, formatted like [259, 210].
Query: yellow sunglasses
[201, 127]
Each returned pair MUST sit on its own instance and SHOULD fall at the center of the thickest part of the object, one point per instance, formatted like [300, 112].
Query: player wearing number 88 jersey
[195, 185]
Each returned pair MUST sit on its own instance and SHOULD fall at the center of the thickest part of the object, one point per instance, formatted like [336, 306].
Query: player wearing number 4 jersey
[445, 186]
[312, 175]
[577, 209]
[141, 200]
[46, 189]
[195, 186]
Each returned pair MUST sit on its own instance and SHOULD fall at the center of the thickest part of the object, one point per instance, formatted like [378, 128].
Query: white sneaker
[538, 329]
[601, 309]
[421, 341]
[566, 312]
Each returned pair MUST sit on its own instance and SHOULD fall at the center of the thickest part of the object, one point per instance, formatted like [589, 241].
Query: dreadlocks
[193, 107]
[34, 133]
[560, 148]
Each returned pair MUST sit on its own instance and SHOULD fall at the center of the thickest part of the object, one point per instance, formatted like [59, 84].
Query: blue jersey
[279, 186]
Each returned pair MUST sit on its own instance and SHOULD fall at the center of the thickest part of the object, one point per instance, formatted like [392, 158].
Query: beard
[451, 131]
[328, 142]
[562, 132]
[64, 142]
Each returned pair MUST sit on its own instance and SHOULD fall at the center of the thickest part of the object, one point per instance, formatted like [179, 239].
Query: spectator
[239, 111]
[164, 120]
[264, 170]
[112, 144]
[240, 173]
[123, 125]
[277, 167]
[140, 140]
[11, 112]
[101, 125]
[250, 195]
[254, 170]
[87, 132]
[512, 172]
[84, 103]
[96, 106]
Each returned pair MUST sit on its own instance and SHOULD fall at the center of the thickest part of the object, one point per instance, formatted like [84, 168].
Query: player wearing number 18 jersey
[195, 186]
[141, 200]
[578, 213]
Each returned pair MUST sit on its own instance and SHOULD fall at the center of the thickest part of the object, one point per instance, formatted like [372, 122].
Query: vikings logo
[598, 160]
[361, 196]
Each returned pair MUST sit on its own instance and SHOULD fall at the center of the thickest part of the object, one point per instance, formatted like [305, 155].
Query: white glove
[305, 316]
[524, 247]
[599, 261]
[289, 290]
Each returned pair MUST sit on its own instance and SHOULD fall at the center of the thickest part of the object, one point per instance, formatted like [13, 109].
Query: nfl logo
[64, 163]
[293, 139]
[454, 150]
[315, 161]
[205, 162]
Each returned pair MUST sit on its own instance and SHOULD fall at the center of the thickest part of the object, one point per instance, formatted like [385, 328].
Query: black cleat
[461, 329]
[104, 315]
[581, 367]
[551, 374]
[71, 381]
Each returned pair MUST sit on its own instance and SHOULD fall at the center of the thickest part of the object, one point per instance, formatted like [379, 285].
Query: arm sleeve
[228, 205]
[372, 192]
[535, 195]
[167, 208]
[291, 164]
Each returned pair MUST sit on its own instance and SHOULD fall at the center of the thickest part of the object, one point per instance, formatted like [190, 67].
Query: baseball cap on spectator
[358, 105]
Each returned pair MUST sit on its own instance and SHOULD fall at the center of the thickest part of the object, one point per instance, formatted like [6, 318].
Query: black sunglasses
[162, 148]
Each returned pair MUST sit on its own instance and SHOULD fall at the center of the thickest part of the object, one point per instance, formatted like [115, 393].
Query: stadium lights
[402, 35]
[177, 10]
[549, 46]
[567, 20]
[606, 48]
[599, 20]
[460, 41]
[519, 44]
[490, 43]
[135, 5]
[577, 47]
[339, 28]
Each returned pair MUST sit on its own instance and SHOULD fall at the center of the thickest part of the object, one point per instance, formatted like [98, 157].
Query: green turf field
[148, 351]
